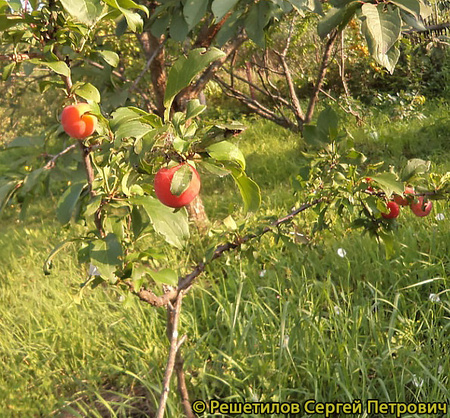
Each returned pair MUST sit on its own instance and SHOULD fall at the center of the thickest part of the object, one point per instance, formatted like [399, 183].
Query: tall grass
[291, 323]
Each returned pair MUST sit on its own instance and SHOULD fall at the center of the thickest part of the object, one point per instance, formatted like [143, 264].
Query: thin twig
[256, 87]
[51, 163]
[275, 99]
[296, 107]
[182, 388]
[255, 105]
[147, 65]
[172, 328]
[321, 75]
[358, 117]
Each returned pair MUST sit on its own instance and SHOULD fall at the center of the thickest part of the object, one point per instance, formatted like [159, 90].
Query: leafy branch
[185, 282]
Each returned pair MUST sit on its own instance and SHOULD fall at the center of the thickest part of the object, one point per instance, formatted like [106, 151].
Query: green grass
[291, 323]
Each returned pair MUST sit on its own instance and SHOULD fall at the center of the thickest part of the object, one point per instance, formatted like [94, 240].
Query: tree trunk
[150, 44]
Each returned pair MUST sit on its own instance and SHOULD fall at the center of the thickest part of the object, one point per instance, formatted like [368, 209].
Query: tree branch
[185, 282]
[255, 106]
[51, 163]
[147, 65]
[321, 76]
[182, 388]
[20, 57]
[264, 91]
[173, 313]
[296, 107]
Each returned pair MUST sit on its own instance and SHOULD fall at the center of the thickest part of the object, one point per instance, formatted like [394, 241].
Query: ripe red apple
[404, 201]
[422, 207]
[163, 183]
[76, 122]
[394, 211]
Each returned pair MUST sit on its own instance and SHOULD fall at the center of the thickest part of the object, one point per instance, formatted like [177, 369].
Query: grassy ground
[289, 324]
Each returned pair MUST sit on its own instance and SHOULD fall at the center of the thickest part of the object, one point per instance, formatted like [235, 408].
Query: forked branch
[173, 313]
[185, 282]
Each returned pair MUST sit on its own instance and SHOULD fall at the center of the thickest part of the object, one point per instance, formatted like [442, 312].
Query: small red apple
[394, 211]
[369, 180]
[163, 183]
[422, 207]
[76, 122]
[404, 201]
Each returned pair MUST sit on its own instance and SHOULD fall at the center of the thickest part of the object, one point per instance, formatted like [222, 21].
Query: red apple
[404, 201]
[422, 207]
[76, 122]
[163, 183]
[394, 211]
[369, 180]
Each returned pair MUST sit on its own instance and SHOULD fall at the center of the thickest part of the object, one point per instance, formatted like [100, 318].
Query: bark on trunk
[158, 74]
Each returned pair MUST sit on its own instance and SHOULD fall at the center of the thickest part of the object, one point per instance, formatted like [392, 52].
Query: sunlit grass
[335, 321]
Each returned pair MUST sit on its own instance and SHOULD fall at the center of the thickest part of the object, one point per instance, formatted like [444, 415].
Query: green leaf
[85, 11]
[173, 226]
[89, 92]
[194, 108]
[226, 151]
[179, 29]
[382, 29]
[221, 7]
[250, 192]
[314, 6]
[59, 67]
[214, 168]
[412, 21]
[230, 223]
[194, 10]
[314, 137]
[32, 179]
[134, 20]
[110, 57]
[337, 18]
[104, 254]
[160, 25]
[8, 70]
[229, 28]
[181, 180]
[132, 129]
[165, 276]
[388, 241]
[185, 69]
[126, 5]
[328, 122]
[389, 183]
[6, 191]
[123, 115]
[410, 6]
[9, 21]
[48, 264]
[257, 19]
[68, 201]
[26, 141]
[15, 5]
[425, 10]
[413, 168]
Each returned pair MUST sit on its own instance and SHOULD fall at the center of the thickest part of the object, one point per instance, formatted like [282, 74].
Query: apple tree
[111, 158]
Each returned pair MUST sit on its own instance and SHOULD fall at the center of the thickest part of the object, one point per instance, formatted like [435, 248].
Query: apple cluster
[420, 206]
[78, 123]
